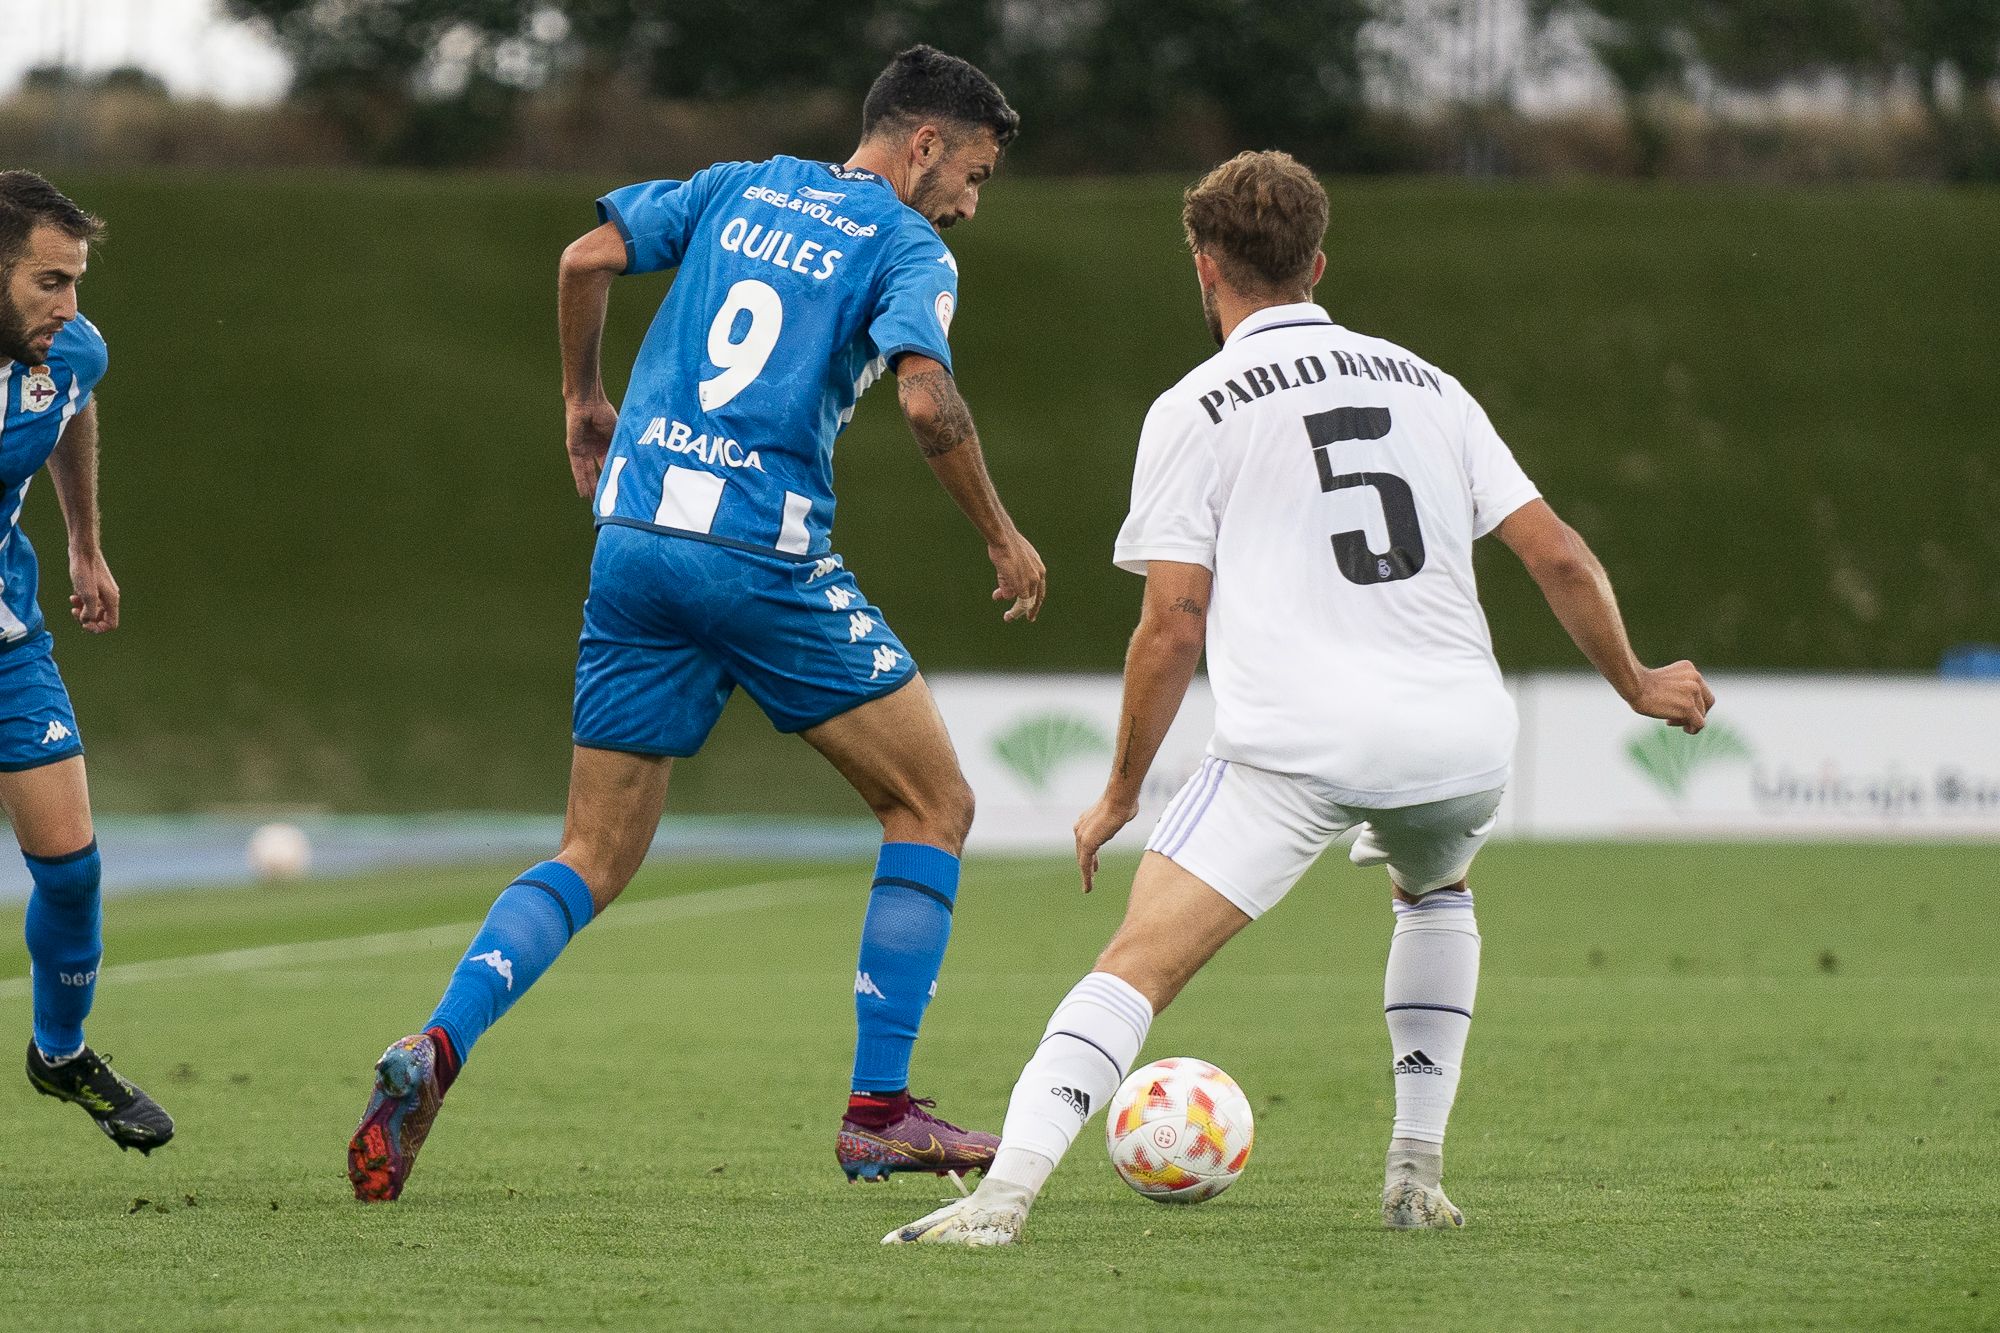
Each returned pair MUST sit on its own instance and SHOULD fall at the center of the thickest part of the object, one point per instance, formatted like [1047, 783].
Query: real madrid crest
[38, 390]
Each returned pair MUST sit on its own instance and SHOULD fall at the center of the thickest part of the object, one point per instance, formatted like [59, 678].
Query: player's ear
[1205, 271]
[927, 145]
[1319, 268]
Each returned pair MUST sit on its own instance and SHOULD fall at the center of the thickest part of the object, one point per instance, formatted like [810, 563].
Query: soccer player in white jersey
[1304, 505]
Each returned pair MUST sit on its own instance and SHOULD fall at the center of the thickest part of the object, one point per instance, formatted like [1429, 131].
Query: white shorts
[1249, 834]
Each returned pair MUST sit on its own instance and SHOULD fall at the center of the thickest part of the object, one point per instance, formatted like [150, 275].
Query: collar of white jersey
[1278, 317]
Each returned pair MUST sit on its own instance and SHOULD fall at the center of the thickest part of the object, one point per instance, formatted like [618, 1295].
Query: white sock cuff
[1437, 911]
[1130, 1012]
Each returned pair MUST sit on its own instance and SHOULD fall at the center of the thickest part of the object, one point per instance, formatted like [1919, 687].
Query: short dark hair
[27, 201]
[1261, 218]
[923, 83]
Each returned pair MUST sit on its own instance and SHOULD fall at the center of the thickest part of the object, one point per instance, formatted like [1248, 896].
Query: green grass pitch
[1719, 1087]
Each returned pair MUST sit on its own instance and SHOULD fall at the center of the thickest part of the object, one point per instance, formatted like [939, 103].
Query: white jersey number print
[1334, 483]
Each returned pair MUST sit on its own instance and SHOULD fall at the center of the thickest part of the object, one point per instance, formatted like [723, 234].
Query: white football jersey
[1334, 483]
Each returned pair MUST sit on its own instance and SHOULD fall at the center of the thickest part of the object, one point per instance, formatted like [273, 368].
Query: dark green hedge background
[335, 493]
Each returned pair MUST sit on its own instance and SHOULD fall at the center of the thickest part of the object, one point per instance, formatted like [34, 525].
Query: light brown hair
[1260, 217]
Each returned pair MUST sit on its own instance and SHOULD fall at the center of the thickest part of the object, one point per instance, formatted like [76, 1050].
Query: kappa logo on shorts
[839, 598]
[885, 660]
[56, 732]
[859, 626]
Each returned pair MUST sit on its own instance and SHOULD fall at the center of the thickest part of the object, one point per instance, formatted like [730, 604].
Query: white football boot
[1413, 1189]
[974, 1222]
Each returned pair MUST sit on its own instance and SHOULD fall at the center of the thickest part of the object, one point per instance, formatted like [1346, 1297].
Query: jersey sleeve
[1176, 495]
[1499, 486]
[918, 296]
[86, 356]
[657, 218]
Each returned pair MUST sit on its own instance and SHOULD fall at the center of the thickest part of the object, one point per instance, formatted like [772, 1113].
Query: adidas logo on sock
[1416, 1062]
[1079, 1101]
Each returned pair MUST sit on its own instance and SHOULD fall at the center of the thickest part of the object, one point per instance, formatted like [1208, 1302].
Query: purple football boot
[880, 1135]
[408, 1093]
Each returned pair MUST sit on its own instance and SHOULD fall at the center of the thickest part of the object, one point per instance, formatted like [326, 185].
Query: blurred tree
[1950, 49]
[131, 79]
[1645, 48]
[1957, 40]
[50, 79]
[1760, 44]
[1108, 80]
[1121, 76]
[428, 82]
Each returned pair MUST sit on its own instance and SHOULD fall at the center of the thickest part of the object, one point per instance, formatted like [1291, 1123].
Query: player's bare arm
[583, 292]
[943, 426]
[93, 598]
[1159, 666]
[1579, 592]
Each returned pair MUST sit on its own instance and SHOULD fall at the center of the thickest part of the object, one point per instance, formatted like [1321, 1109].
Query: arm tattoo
[949, 420]
[1189, 605]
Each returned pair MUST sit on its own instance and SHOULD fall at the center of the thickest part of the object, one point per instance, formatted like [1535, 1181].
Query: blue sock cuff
[566, 887]
[35, 862]
[74, 875]
[916, 865]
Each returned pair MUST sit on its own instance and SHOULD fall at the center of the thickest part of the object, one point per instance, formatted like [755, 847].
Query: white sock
[1427, 995]
[1089, 1044]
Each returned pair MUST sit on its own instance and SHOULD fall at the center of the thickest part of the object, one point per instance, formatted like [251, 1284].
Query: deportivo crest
[38, 390]
[945, 308]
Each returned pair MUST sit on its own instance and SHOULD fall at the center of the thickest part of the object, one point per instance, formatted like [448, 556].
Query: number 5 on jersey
[1359, 564]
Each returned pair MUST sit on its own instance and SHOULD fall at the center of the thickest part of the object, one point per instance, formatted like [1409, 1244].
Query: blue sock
[902, 947]
[530, 923]
[65, 931]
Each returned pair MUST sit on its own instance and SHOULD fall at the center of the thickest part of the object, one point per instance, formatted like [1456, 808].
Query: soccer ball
[279, 852]
[1179, 1130]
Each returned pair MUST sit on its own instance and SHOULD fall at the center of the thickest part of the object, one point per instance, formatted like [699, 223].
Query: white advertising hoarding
[1037, 750]
[1782, 757]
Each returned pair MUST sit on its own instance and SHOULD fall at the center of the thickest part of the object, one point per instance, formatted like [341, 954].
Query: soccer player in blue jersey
[799, 283]
[51, 359]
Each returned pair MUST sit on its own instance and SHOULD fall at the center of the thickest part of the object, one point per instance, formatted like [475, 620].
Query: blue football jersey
[799, 283]
[39, 402]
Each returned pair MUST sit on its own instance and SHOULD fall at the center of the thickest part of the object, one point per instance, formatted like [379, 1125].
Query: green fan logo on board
[1036, 747]
[1671, 757]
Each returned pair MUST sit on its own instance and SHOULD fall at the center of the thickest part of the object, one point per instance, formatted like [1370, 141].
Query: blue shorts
[37, 723]
[673, 624]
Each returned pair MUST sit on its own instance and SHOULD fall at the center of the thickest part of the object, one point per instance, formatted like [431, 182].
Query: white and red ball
[1179, 1130]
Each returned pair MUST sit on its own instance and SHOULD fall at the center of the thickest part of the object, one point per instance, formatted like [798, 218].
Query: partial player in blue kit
[798, 285]
[51, 359]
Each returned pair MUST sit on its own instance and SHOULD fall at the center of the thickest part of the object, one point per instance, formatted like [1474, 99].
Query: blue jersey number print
[799, 283]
